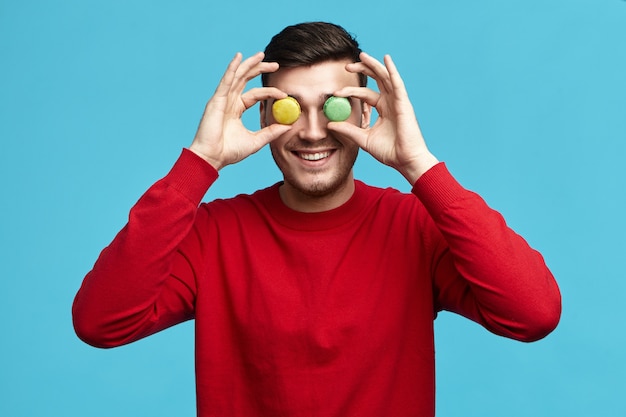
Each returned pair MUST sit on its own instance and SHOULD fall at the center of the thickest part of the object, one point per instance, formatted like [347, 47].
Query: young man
[315, 296]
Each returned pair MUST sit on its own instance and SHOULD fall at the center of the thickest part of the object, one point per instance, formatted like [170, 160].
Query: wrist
[211, 161]
[417, 167]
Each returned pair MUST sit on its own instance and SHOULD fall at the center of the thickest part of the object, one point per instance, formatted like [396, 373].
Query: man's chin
[320, 188]
[315, 190]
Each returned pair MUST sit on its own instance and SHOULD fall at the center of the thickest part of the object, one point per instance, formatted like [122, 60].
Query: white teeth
[314, 156]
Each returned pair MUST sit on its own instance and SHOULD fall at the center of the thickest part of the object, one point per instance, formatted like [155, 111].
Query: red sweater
[313, 314]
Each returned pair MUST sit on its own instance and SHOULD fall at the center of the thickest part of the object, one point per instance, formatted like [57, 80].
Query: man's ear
[366, 115]
[263, 113]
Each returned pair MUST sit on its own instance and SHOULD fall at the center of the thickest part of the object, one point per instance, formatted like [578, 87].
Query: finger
[359, 67]
[381, 71]
[229, 75]
[248, 63]
[258, 69]
[367, 95]
[383, 84]
[373, 69]
[254, 95]
[396, 80]
[374, 64]
[251, 68]
[349, 131]
[270, 133]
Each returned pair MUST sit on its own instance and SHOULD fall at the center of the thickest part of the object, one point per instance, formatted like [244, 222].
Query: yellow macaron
[286, 110]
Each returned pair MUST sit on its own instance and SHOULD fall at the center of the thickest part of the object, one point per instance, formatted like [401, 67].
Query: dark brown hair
[310, 43]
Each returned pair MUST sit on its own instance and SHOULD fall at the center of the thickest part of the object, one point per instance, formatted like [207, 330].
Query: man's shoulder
[390, 201]
[386, 194]
[243, 201]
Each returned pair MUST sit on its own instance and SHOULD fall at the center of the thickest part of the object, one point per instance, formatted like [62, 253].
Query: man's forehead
[311, 74]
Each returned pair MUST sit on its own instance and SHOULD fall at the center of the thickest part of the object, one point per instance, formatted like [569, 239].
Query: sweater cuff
[437, 189]
[191, 176]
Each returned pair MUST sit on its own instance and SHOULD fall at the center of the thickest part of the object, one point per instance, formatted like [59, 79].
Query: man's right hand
[222, 139]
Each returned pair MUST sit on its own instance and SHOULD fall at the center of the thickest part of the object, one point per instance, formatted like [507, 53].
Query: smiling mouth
[313, 156]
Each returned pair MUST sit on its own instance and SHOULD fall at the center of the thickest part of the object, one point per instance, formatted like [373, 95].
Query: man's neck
[299, 201]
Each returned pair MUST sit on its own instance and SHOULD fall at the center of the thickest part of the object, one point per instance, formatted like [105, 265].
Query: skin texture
[395, 139]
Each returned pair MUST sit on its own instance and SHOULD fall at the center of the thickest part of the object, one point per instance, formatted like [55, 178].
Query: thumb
[271, 133]
[350, 132]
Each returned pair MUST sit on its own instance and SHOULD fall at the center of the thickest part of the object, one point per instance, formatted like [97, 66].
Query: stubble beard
[316, 186]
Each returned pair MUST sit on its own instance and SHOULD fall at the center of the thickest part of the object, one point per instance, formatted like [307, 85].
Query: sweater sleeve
[487, 272]
[141, 283]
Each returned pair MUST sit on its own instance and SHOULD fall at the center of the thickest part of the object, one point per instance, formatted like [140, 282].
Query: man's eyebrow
[322, 97]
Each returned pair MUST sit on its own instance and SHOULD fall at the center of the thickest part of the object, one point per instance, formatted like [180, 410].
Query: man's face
[315, 163]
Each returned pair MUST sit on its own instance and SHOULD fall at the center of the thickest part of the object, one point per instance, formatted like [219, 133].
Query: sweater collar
[324, 220]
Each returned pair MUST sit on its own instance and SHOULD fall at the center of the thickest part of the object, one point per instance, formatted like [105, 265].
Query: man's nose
[313, 126]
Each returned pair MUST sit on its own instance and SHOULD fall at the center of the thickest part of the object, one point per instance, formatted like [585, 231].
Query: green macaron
[337, 109]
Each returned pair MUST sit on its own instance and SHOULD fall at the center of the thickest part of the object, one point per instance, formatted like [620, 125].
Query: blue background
[525, 101]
